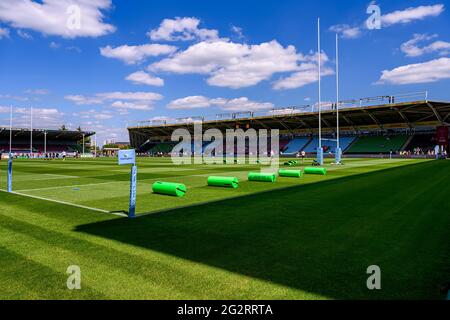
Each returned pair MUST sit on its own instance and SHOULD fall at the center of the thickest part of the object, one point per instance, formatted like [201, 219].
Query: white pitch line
[356, 164]
[73, 186]
[67, 203]
[111, 182]
[99, 183]
[61, 175]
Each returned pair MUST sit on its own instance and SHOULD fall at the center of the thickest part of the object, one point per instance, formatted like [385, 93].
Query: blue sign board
[127, 157]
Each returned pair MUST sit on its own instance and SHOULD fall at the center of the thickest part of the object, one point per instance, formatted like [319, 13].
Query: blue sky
[104, 64]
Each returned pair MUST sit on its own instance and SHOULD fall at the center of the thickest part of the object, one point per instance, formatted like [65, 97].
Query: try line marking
[355, 164]
[67, 203]
[72, 186]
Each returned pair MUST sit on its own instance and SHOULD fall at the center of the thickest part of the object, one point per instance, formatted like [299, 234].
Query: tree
[111, 145]
[63, 128]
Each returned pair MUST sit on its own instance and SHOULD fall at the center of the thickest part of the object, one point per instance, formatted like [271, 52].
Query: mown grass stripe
[66, 203]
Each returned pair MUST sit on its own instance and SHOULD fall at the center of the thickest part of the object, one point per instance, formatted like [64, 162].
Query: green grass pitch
[308, 238]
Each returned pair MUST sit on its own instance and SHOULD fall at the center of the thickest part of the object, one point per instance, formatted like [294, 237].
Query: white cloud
[73, 49]
[94, 114]
[136, 54]
[238, 31]
[4, 33]
[202, 58]
[307, 74]
[431, 71]
[238, 104]
[40, 92]
[56, 17]
[411, 14]
[134, 96]
[301, 78]
[182, 29]
[230, 64]
[161, 118]
[24, 34]
[54, 45]
[241, 104]
[83, 100]
[100, 98]
[132, 105]
[192, 102]
[119, 100]
[141, 77]
[4, 109]
[13, 97]
[397, 17]
[346, 31]
[411, 48]
[42, 117]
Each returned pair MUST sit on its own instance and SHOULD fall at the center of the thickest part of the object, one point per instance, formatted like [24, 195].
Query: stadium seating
[425, 142]
[345, 143]
[283, 144]
[377, 144]
[296, 145]
[38, 148]
[329, 146]
[165, 147]
[350, 145]
[57, 141]
[41, 148]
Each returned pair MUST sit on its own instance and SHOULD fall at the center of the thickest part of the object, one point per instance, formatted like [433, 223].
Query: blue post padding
[320, 156]
[133, 182]
[10, 174]
[338, 155]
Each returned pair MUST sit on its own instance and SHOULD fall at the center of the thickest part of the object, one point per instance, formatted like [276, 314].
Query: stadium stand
[283, 144]
[424, 142]
[206, 144]
[328, 145]
[378, 144]
[164, 148]
[380, 124]
[44, 140]
[296, 145]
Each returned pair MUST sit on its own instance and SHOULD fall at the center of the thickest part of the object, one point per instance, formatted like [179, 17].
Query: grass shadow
[318, 238]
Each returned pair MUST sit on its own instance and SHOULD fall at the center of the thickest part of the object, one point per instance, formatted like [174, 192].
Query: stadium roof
[407, 115]
[40, 133]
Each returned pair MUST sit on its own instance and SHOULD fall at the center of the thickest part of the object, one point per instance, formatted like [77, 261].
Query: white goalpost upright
[10, 130]
[95, 145]
[338, 154]
[31, 132]
[338, 151]
[83, 143]
[319, 62]
[45, 141]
